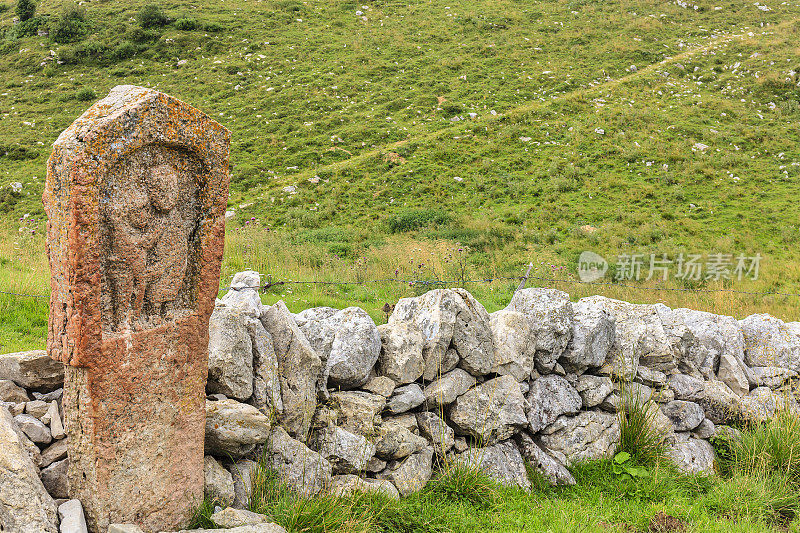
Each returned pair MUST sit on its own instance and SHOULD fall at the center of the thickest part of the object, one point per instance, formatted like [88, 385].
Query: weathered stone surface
[347, 452]
[299, 370]
[446, 316]
[24, 502]
[769, 342]
[640, 337]
[347, 484]
[49, 396]
[550, 468]
[37, 408]
[447, 388]
[772, 376]
[301, 468]
[56, 424]
[685, 416]
[347, 340]
[492, 411]
[34, 429]
[411, 474]
[401, 352]
[593, 335]
[266, 381]
[32, 370]
[396, 441]
[551, 316]
[54, 452]
[243, 295]
[588, 435]
[12, 393]
[550, 397]
[763, 404]
[380, 385]
[124, 528]
[694, 456]
[233, 429]
[433, 428]
[501, 462]
[54, 479]
[715, 335]
[218, 485]
[405, 398]
[357, 411]
[687, 387]
[230, 518]
[243, 473]
[135, 194]
[230, 354]
[514, 344]
[72, 519]
[650, 377]
[705, 430]
[720, 403]
[593, 389]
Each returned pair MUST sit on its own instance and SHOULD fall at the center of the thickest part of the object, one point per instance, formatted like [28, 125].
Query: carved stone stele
[135, 197]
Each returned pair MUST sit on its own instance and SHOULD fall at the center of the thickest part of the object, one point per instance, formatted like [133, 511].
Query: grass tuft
[463, 483]
[639, 435]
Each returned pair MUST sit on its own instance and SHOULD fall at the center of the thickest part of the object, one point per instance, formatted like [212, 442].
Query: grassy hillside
[470, 138]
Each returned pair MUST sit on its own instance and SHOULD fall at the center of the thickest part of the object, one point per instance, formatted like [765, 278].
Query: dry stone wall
[338, 404]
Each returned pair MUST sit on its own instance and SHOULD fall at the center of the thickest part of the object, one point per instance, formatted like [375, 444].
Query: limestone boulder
[770, 342]
[266, 380]
[687, 387]
[357, 411]
[412, 473]
[550, 315]
[54, 479]
[243, 294]
[593, 389]
[405, 398]
[234, 429]
[589, 435]
[243, 472]
[54, 452]
[445, 317]
[773, 377]
[548, 398]
[10, 392]
[231, 518]
[299, 370]
[401, 357]
[719, 402]
[33, 370]
[347, 453]
[448, 388]
[218, 483]
[380, 385]
[555, 472]
[640, 337]
[396, 441]
[302, 469]
[514, 344]
[691, 455]
[347, 484]
[685, 416]
[34, 429]
[256, 528]
[593, 335]
[501, 462]
[491, 412]
[347, 340]
[25, 505]
[763, 403]
[436, 430]
[72, 518]
[230, 354]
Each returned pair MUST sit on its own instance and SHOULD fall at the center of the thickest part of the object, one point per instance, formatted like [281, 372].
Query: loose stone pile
[337, 404]
[341, 404]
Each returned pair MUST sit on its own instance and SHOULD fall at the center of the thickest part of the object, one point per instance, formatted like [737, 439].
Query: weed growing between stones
[640, 438]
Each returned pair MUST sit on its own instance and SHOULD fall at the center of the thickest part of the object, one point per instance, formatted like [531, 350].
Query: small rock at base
[231, 517]
[72, 519]
[124, 528]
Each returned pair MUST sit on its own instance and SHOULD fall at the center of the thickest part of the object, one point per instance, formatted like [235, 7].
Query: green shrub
[414, 219]
[140, 35]
[85, 94]
[769, 447]
[463, 483]
[123, 50]
[27, 28]
[152, 16]
[71, 24]
[90, 51]
[4, 8]
[212, 27]
[25, 9]
[639, 436]
[186, 24]
[67, 55]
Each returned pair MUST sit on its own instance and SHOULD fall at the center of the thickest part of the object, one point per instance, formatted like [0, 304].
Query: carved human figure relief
[150, 215]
